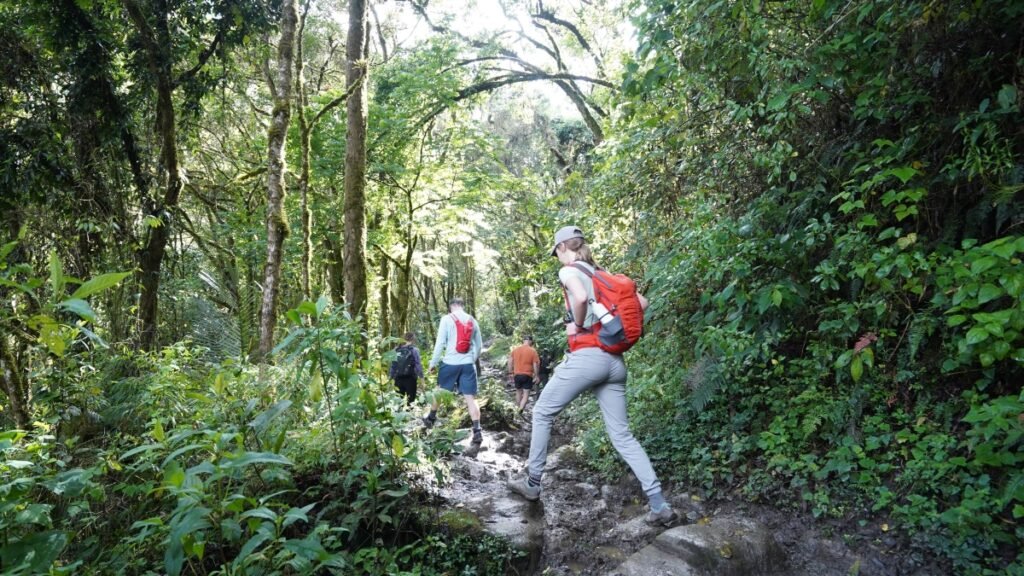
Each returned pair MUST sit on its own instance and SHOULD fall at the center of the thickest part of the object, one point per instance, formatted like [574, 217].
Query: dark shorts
[459, 378]
[524, 382]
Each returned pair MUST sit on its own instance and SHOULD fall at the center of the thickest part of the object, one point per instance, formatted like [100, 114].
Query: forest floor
[583, 526]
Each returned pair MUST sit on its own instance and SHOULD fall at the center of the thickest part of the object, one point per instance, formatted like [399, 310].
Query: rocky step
[726, 546]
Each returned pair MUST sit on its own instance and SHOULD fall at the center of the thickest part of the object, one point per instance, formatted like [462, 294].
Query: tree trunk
[335, 266]
[355, 162]
[304, 136]
[386, 328]
[277, 224]
[153, 255]
[12, 381]
[403, 290]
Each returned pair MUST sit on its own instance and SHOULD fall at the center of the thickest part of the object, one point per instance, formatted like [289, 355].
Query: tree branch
[204, 56]
[544, 14]
[334, 103]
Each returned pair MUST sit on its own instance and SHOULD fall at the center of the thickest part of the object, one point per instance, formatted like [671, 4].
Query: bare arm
[577, 299]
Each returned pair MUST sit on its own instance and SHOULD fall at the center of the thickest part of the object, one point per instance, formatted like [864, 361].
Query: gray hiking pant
[605, 374]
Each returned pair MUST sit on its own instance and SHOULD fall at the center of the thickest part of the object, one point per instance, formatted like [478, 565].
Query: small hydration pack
[463, 335]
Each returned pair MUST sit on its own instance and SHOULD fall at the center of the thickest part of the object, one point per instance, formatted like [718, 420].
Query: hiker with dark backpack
[456, 351]
[407, 368]
[604, 318]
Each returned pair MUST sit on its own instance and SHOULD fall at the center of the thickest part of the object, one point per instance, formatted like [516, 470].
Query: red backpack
[623, 324]
[463, 335]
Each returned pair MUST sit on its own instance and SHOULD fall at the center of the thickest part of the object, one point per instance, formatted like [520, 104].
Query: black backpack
[405, 363]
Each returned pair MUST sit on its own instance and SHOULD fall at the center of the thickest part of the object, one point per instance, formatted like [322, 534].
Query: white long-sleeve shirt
[447, 337]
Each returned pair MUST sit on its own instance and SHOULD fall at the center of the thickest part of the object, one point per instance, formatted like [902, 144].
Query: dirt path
[585, 527]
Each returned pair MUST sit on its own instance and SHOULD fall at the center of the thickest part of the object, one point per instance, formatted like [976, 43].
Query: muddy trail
[583, 526]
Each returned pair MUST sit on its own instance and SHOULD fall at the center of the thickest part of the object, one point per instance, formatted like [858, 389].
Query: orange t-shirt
[523, 359]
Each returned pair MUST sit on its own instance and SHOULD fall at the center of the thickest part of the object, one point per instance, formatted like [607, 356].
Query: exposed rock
[608, 493]
[559, 458]
[724, 546]
[632, 530]
[651, 561]
[587, 490]
[515, 519]
[566, 474]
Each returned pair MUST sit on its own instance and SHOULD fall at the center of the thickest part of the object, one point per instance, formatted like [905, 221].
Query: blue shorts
[457, 377]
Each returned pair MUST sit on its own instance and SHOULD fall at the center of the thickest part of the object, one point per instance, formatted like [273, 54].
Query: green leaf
[321, 305]
[904, 173]
[1007, 96]
[994, 329]
[34, 514]
[192, 521]
[250, 546]
[99, 284]
[50, 334]
[397, 445]
[306, 308]
[261, 422]
[856, 368]
[262, 512]
[982, 264]
[140, 450]
[174, 475]
[309, 548]
[956, 320]
[250, 458]
[6, 249]
[988, 293]
[79, 307]
[35, 553]
[294, 515]
[71, 483]
[776, 102]
[977, 335]
[776, 297]
[56, 275]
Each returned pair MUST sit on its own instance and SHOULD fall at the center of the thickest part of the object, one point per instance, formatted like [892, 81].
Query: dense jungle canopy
[218, 216]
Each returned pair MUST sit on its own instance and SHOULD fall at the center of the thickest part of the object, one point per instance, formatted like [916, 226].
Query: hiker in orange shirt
[523, 371]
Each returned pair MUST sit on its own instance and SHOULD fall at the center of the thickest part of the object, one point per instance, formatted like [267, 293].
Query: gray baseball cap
[563, 234]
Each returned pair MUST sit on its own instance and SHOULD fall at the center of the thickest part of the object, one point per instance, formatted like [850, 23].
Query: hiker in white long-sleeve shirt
[456, 351]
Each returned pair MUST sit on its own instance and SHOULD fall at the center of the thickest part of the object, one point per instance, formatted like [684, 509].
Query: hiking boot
[522, 487]
[478, 437]
[665, 517]
[429, 422]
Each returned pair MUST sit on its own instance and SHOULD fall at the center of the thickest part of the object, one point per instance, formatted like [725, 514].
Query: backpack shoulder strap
[592, 275]
[583, 269]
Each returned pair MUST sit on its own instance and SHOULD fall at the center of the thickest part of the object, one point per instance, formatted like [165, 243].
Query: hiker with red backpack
[604, 318]
[456, 351]
[407, 368]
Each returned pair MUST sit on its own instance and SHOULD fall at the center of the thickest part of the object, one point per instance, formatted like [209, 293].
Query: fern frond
[704, 380]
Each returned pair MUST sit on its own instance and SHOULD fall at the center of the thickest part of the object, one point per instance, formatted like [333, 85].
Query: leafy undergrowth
[308, 467]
